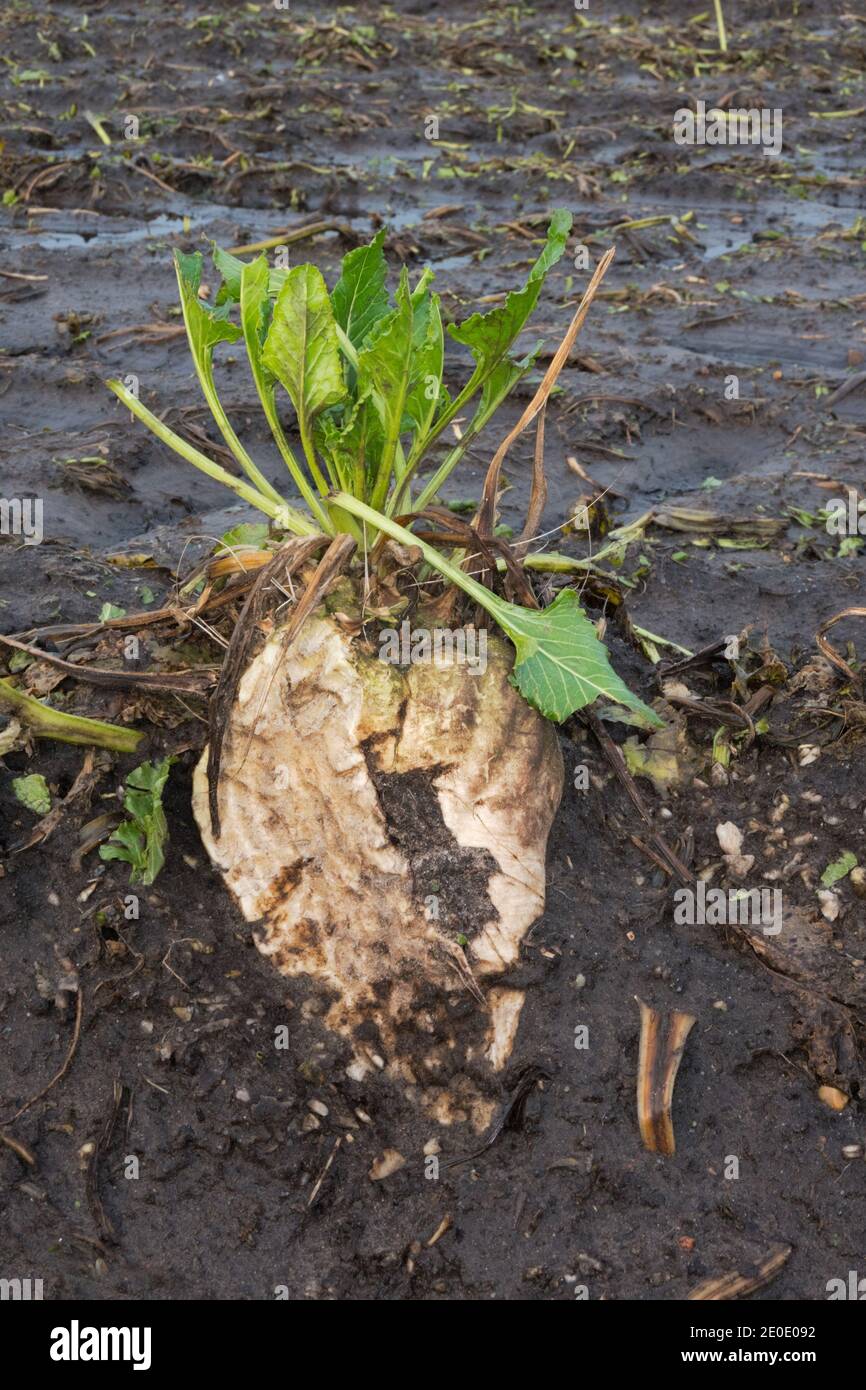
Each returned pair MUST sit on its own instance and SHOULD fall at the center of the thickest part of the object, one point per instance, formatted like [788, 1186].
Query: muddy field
[252, 122]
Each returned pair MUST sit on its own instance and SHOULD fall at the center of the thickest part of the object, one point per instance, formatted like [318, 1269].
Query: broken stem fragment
[736, 1285]
[45, 722]
[662, 1041]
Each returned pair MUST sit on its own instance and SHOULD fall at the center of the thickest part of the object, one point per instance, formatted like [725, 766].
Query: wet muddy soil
[180, 1153]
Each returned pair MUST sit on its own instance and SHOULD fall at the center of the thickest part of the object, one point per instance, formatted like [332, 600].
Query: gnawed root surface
[386, 829]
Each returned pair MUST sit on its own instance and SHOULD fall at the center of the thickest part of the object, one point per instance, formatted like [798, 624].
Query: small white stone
[740, 865]
[390, 1162]
[730, 837]
[829, 904]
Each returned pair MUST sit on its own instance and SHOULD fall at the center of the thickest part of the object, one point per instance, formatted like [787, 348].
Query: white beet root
[386, 830]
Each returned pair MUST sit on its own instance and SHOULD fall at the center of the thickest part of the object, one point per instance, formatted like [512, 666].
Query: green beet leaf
[360, 298]
[141, 839]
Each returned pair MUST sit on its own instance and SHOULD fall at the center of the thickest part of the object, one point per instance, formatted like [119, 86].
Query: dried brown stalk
[736, 1285]
[486, 512]
[662, 1040]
